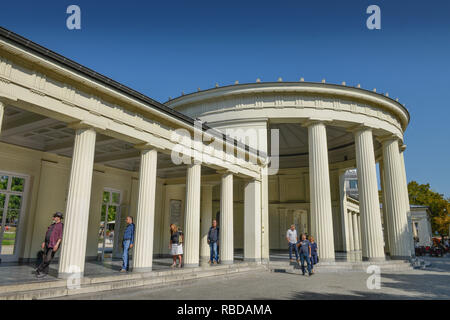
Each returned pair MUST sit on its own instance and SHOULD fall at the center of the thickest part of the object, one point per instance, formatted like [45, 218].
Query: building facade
[74, 141]
[421, 225]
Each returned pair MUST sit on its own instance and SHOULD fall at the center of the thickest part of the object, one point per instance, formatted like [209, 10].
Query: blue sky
[163, 48]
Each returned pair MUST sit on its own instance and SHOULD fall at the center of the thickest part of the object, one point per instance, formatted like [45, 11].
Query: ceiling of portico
[31, 130]
[293, 144]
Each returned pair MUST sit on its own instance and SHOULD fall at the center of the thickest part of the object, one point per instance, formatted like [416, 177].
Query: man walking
[213, 240]
[292, 239]
[127, 243]
[305, 254]
[53, 238]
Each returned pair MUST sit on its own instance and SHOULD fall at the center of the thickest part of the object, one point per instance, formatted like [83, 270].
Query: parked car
[437, 251]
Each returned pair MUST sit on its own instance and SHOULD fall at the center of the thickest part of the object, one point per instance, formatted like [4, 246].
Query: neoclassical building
[257, 157]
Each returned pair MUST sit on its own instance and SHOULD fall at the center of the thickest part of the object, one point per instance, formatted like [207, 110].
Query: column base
[255, 260]
[327, 260]
[265, 260]
[204, 260]
[142, 269]
[191, 265]
[400, 257]
[227, 262]
[69, 275]
[375, 259]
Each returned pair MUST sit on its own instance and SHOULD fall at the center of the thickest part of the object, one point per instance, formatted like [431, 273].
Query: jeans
[125, 255]
[313, 259]
[46, 259]
[305, 257]
[293, 246]
[213, 252]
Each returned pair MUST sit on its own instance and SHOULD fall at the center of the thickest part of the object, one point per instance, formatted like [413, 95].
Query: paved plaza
[431, 283]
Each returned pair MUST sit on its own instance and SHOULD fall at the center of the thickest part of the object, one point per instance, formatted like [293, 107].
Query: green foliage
[421, 194]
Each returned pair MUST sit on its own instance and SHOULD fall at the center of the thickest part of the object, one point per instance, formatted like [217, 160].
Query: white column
[351, 239]
[395, 203]
[2, 112]
[143, 247]
[252, 221]
[358, 216]
[321, 214]
[265, 216]
[383, 193]
[205, 221]
[226, 244]
[192, 217]
[73, 250]
[355, 231]
[406, 199]
[369, 206]
[344, 216]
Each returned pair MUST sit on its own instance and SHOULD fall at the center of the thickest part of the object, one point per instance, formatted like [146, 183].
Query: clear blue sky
[162, 49]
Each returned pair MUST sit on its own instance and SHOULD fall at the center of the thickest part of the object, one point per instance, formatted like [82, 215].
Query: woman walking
[175, 245]
[313, 252]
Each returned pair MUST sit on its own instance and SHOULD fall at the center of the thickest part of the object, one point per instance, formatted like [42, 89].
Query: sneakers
[122, 271]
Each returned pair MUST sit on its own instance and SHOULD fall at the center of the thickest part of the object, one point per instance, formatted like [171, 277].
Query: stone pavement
[432, 283]
[24, 273]
[13, 273]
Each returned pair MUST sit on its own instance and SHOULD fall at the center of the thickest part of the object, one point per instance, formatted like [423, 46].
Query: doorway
[12, 203]
[109, 223]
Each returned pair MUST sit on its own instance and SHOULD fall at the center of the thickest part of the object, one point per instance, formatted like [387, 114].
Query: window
[353, 184]
[12, 188]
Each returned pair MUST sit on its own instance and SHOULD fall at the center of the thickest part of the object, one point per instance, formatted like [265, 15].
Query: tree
[421, 194]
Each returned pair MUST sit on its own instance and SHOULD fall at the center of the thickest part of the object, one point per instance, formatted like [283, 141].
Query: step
[158, 279]
[390, 265]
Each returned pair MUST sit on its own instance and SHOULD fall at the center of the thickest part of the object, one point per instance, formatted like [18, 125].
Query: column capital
[312, 121]
[84, 125]
[225, 172]
[145, 146]
[359, 127]
[388, 137]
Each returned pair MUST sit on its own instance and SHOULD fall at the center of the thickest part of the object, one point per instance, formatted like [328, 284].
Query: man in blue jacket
[127, 243]
[213, 241]
[305, 254]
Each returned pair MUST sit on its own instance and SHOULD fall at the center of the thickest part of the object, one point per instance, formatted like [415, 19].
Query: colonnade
[364, 231]
[198, 212]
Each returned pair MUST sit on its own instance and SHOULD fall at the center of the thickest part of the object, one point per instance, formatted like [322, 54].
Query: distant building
[421, 225]
[420, 215]
[351, 183]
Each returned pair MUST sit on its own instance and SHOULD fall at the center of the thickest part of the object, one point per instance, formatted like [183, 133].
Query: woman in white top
[175, 245]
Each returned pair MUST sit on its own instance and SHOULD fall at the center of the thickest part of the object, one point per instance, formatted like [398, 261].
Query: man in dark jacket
[213, 241]
[50, 246]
